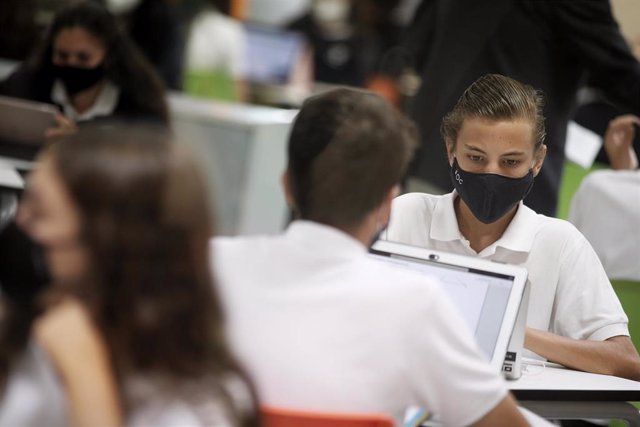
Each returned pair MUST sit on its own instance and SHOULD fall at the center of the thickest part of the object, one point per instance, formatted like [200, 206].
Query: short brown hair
[496, 97]
[347, 149]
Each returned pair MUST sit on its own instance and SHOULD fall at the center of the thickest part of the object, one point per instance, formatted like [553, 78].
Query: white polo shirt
[320, 326]
[105, 103]
[216, 42]
[606, 209]
[570, 292]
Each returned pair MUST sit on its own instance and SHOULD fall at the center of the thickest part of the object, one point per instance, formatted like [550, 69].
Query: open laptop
[22, 130]
[491, 296]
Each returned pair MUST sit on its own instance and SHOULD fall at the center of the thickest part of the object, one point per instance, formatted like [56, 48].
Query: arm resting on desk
[614, 356]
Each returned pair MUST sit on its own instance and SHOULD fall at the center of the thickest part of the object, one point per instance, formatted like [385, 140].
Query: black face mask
[489, 196]
[23, 270]
[76, 79]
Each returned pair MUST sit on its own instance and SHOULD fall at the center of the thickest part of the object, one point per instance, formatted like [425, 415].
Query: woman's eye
[475, 158]
[511, 163]
[62, 56]
[84, 57]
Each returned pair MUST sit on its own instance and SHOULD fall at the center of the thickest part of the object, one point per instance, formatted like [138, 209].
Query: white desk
[556, 393]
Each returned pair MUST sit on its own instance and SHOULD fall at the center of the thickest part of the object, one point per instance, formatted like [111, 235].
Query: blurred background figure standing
[553, 46]
[216, 53]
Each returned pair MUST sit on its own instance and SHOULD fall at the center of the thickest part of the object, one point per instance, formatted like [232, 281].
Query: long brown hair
[146, 224]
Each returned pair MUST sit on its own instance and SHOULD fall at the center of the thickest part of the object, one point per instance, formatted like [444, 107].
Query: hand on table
[64, 126]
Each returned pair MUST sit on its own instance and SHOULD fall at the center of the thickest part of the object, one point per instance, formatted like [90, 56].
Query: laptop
[23, 125]
[492, 297]
[25, 122]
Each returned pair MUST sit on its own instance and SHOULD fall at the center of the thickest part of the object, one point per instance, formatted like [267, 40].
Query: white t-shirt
[216, 42]
[33, 395]
[320, 326]
[606, 209]
[158, 403]
[570, 292]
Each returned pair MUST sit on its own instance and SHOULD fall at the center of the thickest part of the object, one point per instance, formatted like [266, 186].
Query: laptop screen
[272, 53]
[485, 293]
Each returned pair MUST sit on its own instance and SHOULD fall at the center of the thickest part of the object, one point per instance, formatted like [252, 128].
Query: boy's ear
[539, 161]
[450, 150]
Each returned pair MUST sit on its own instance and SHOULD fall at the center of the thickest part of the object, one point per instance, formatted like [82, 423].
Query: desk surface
[549, 383]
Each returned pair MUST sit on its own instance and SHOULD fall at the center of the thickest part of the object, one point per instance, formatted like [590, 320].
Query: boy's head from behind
[348, 148]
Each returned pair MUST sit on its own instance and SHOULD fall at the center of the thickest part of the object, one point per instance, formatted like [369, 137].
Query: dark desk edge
[579, 395]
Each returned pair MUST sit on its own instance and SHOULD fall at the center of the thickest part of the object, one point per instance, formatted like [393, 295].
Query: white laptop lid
[487, 293]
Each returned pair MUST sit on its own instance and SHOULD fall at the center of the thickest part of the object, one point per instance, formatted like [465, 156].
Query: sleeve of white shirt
[585, 306]
[453, 378]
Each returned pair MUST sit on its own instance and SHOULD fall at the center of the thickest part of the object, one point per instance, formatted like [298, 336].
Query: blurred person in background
[157, 28]
[216, 54]
[330, 29]
[19, 29]
[606, 206]
[552, 46]
[123, 222]
[91, 70]
[349, 39]
[596, 112]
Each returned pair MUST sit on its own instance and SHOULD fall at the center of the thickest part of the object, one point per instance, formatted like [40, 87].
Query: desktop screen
[272, 53]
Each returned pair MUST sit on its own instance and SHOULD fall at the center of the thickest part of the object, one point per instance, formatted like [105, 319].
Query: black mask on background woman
[76, 79]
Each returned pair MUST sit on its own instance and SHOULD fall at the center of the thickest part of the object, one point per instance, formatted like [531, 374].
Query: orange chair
[278, 417]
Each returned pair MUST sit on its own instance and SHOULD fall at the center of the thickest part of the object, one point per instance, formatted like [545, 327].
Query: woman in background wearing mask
[495, 145]
[90, 69]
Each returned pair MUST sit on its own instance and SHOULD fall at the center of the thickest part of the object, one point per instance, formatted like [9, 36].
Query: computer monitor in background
[272, 54]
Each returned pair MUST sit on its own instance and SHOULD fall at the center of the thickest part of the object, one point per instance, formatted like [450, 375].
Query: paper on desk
[10, 178]
[582, 145]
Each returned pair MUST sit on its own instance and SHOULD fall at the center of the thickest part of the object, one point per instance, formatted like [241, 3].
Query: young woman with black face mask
[495, 146]
[124, 226]
[91, 70]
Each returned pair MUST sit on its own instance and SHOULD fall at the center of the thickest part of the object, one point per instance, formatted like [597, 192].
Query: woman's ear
[285, 180]
[539, 160]
[450, 150]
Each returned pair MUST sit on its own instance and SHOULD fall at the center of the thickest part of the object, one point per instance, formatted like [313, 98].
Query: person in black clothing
[91, 70]
[157, 29]
[552, 46]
